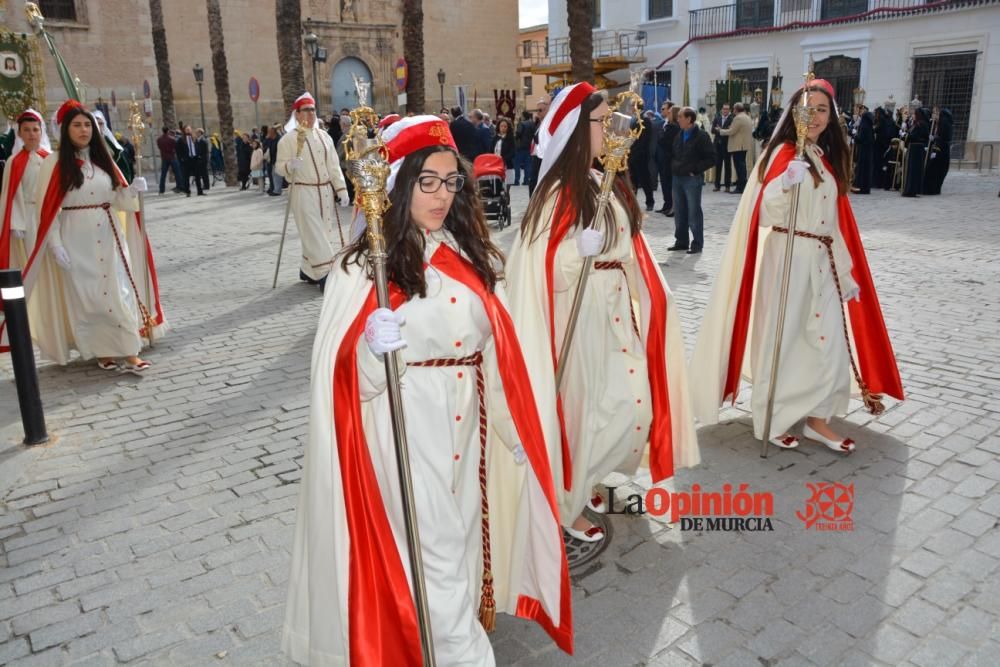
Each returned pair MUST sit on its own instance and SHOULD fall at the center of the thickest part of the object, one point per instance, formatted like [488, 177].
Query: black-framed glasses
[431, 184]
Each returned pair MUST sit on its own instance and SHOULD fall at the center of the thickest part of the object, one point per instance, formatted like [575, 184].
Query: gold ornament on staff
[369, 170]
[619, 135]
[136, 125]
[300, 141]
[802, 114]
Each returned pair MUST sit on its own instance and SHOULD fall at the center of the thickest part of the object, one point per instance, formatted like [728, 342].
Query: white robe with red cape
[622, 391]
[349, 590]
[18, 199]
[92, 306]
[814, 373]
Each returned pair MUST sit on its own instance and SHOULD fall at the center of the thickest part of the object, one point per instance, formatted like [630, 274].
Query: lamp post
[710, 98]
[199, 78]
[314, 49]
[758, 95]
[441, 84]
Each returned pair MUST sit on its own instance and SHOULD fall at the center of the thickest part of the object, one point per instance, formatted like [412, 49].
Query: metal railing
[751, 15]
[629, 45]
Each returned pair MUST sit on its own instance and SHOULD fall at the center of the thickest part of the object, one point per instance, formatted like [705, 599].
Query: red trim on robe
[661, 440]
[871, 340]
[382, 619]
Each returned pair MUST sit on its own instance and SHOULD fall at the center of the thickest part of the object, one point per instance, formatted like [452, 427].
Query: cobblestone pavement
[157, 527]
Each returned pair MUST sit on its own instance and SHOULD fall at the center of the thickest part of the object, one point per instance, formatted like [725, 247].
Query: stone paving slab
[156, 529]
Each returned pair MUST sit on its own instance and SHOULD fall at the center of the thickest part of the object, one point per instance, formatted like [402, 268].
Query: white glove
[589, 242]
[344, 199]
[382, 331]
[61, 256]
[18, 233]
[794, 173]
[139, 184]
[853, 293]
[294, 164]
[933, 155]
[520, 456]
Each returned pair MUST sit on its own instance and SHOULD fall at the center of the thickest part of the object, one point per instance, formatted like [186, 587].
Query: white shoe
[845, 446]
[597, 504]
[785, 441]
[592, 534]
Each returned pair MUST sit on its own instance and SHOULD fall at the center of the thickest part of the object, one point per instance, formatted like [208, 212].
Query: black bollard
[22, 357]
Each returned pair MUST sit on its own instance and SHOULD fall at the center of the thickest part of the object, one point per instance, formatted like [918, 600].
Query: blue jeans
[175, 167]
[522, 163]
[687, 211]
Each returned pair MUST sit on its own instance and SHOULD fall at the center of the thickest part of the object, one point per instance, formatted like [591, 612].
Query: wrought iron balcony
[626, 46]
[749, 16]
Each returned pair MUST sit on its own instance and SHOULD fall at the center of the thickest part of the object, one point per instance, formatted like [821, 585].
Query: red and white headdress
[305, 99]
[388, 120]
[410, 135]
[402, 138]
[31, 114]
[558, 125]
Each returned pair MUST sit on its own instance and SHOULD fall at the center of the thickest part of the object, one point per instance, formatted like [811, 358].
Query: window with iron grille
[60, 10]
[945, 81]
[754, 13]
[527, 86]
[660, 9]
[755, 78]
[526, 49]
[844, 74]
[836, 8]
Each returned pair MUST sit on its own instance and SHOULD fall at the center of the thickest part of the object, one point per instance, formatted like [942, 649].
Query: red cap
[64, 109]
[31, 115]
[388, 120]
[303, 100]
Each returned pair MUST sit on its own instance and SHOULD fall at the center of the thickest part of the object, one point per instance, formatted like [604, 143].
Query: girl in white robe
[484, 496]
[84, 279]
[624, 384]
[828, 270]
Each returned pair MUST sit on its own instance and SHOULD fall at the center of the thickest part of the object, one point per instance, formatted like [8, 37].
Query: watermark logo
[829, 507]
[728, 510]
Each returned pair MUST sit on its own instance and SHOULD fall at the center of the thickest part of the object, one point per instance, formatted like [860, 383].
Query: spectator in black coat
[522, 148]
[465, 135]
[670, 131]
[693, 155]
[638, 162]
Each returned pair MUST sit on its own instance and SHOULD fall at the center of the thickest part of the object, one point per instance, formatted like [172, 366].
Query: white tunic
[23, 211]
[312, 190]
[605, 391]
[101, 316]
[814, 368]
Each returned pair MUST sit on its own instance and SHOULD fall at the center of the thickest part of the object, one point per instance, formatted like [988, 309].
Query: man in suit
[722, 162]
[739, 135]
[187, 153]
[466, 136]
[201, 148]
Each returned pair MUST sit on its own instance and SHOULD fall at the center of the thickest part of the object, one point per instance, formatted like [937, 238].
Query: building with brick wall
[108, 45]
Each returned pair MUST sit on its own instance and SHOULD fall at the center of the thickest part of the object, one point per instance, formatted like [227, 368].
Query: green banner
[18, 75]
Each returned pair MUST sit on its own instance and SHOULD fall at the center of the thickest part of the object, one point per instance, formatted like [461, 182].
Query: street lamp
[441, 84]
[758, 96]
[313, 48]
[747, 94]
[710, 97]
[199, 78]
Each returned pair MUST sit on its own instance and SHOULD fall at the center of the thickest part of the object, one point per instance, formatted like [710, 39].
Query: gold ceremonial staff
[136, 125]
[369, 171]
[802, 114]
[619, 135]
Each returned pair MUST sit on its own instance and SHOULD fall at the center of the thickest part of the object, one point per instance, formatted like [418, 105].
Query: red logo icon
[829, 507]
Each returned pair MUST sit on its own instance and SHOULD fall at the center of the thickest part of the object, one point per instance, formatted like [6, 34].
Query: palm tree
[288, 18]
[162, 63]
[580, 17]
[220, 69]
[413, 52]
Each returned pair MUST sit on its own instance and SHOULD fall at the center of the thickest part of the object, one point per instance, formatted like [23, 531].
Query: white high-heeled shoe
[597, 505]
[592, 534]
[845, 446]
[786, 441]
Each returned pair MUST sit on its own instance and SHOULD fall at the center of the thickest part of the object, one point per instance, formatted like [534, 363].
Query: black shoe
[677, 247]
[201, 194]
[274, 194]
[737, 192]
[669, 213]
[188, 194]
[322, 284]
[649, 207]
[694, 251]
[716, 188]
[307, 279]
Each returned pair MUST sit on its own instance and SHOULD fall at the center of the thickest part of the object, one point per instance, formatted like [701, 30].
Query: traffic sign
[146, 91]
[254, 89]
[402, 74]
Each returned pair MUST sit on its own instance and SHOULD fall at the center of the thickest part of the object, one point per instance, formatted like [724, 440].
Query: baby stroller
[491, 177]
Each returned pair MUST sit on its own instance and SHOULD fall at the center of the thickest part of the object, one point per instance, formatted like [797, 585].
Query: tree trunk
[220, 70]
[162, 63]
[413, 52]
[579, 15]
[288, 17]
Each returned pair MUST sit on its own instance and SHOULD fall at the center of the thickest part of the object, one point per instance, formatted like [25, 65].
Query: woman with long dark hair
[821, 345]
[485, 502]
[940, 157]
[91, 279]
[504, 147]
[916, 152]
[624, 386]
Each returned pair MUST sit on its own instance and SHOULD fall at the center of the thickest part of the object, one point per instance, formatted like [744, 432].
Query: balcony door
[754, 13]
